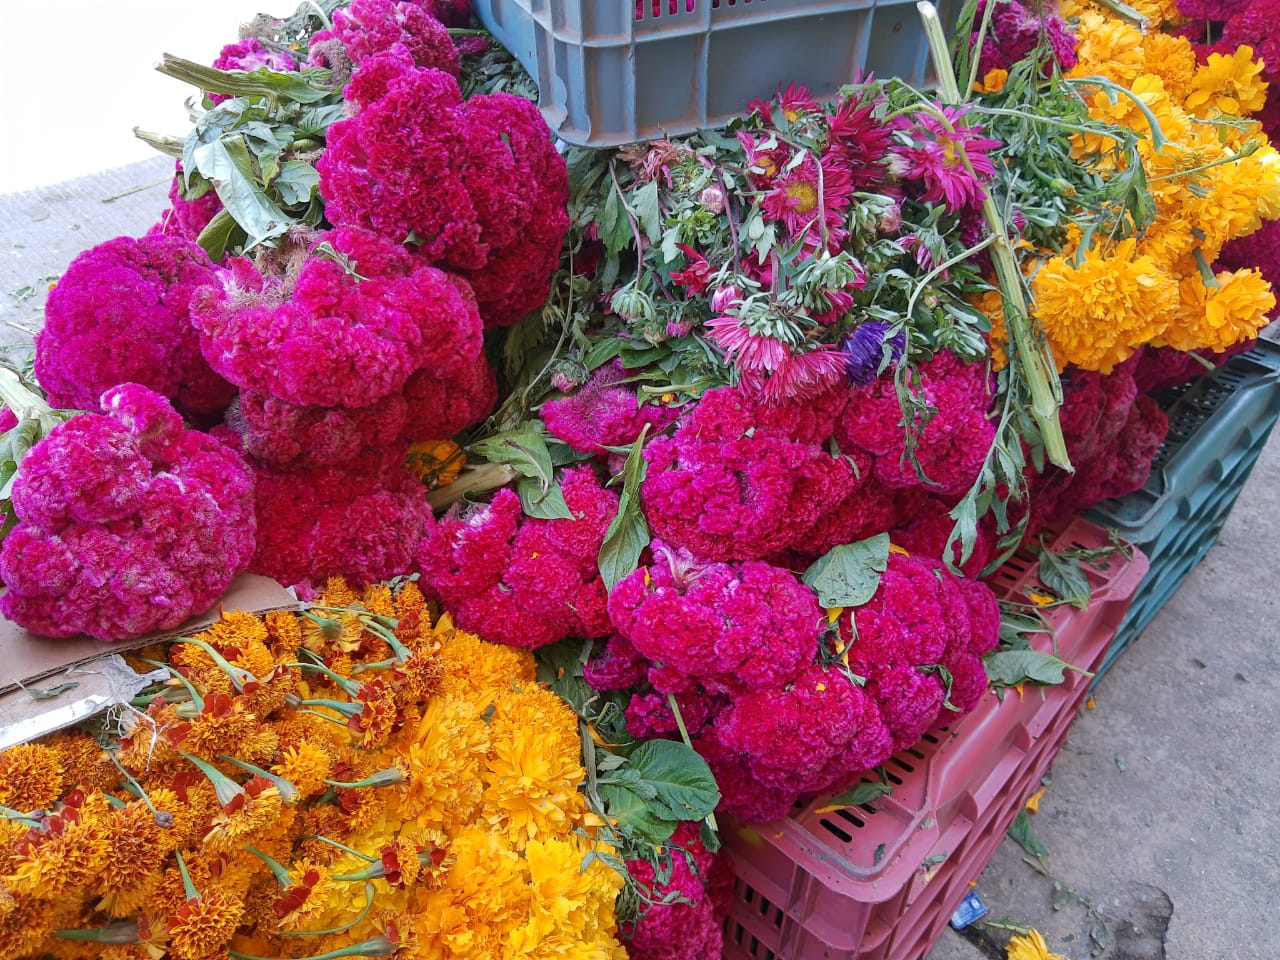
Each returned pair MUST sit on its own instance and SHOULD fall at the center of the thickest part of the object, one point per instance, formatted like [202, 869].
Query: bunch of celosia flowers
[356, 780]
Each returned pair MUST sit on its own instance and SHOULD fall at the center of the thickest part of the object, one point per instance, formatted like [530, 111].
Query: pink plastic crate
[880, 881]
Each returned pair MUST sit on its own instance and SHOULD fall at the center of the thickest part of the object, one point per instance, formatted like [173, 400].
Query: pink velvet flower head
[523, 581]
[128, 523]
[122, 314]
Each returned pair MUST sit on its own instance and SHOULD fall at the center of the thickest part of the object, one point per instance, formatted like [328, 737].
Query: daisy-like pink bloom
[792, 103]
[799, 376]
[808, 196]
[764, 162]
[748, 350]
[859, 141]
[936, 157]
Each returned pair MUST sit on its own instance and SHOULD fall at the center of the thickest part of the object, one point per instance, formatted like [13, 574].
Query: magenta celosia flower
[127, 523]
[928, 530]
[279, 433]
[935, 154]
[742, 795]
[338, 338]
[728, 627]
[522, 581]
[1015, 31]
[250, 54]
[477, 187]
[8, 419]
[741, 493]
[368, 27]
[649, 715]
[952, 446]
[604, 413]
[121, 313]
[362, 520]
[680, 922]
[802, 738]
[615, 665]
[1216, 10]
[186, 218]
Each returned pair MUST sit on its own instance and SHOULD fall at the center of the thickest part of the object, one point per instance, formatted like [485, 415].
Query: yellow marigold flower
[531, 790]
[25, 922]
[484, 899]
[30, 777]
[1157, 12]
[235, 629]
[1169, 239]
[436, 463]
[445, 763]
[138, 847]
[203, 925]
[1109, 48]
[1098, 312]
[1119, 110]
[473, 665]
[306, 764]
[335, 632]
[578, 903]
[1221, 317]
[1173, 60]
[377, 599]
[1030, 947]
[1228, 84]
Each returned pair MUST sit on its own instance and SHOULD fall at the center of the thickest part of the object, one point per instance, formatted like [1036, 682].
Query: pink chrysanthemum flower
[859, 141]
[810, 200]
[792, 103]
[936, 155]
[748, 350]
[797, 377]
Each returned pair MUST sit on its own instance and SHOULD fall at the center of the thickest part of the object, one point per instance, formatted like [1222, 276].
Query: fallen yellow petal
[900, 551]
[1090, 703]
[1033, 803]
[1031, 947]
[833, 614]
[1042, 599]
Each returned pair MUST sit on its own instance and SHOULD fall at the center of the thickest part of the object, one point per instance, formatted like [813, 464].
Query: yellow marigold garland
[356, 778]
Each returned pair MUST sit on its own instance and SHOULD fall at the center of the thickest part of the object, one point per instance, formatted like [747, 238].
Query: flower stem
[684, 735]
[369, 893]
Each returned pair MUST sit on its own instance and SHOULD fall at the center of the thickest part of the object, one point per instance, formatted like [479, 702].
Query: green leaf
[524, 449]
[1065, 578]
[260, 83]
[676, 777]
[629, 810]
[647, 210]
[226, 161]
[864, 792]
[543, 504]
[315, 121]
[219, 235]
[1022, 833]
[628, 533]
[1008, 668]
[297, 182]
[849, 575]
[615, 227]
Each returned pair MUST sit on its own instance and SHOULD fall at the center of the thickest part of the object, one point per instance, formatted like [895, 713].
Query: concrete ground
[1160, 820]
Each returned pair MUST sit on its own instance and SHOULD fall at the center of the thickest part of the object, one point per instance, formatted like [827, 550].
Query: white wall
[76, 76]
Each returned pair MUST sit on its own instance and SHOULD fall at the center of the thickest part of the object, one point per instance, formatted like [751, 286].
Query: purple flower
[864, 351]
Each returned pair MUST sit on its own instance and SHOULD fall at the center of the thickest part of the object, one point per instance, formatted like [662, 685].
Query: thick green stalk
[1040, 373]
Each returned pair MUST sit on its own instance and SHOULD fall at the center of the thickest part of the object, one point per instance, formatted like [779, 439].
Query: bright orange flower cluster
[357, 780]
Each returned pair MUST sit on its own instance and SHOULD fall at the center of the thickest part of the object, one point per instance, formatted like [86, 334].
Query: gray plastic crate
[611, 71]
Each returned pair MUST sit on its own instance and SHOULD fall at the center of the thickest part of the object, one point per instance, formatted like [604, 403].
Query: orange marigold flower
[332, 632]
[306, 764]
[83, 761]
[138, 847]
[203, 925]
[235, 629]
[1173, 60]
[285, 632]
[25, 922]
[225, 725]
[472, 665]
[337, 593]
[436, 463]
[30, 777]
[419, 678]
[378, 713]
[411, 603]
[377, 599]
[256, 807]
[64, 853]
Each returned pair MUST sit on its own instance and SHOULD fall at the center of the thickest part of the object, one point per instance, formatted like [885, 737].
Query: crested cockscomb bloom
[361, 521]
[476, 186]
[1016, 30]
[368, 27]
[351, 331]
[921, 617]
[649, 714]
[615, 665]
[277, 432]
[186, 218]
[867, 350]
[952, 445]
[122, 314]
[128, 522]
[523, 581]
[805, 736]
[934, 155]
[743, 493]
[929, 529]
[681, 921]
[870, 509]
[729, 627]
[603, 413]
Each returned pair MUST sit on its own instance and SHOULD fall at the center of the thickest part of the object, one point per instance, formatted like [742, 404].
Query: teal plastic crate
[1218, 425]
[611, 72]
